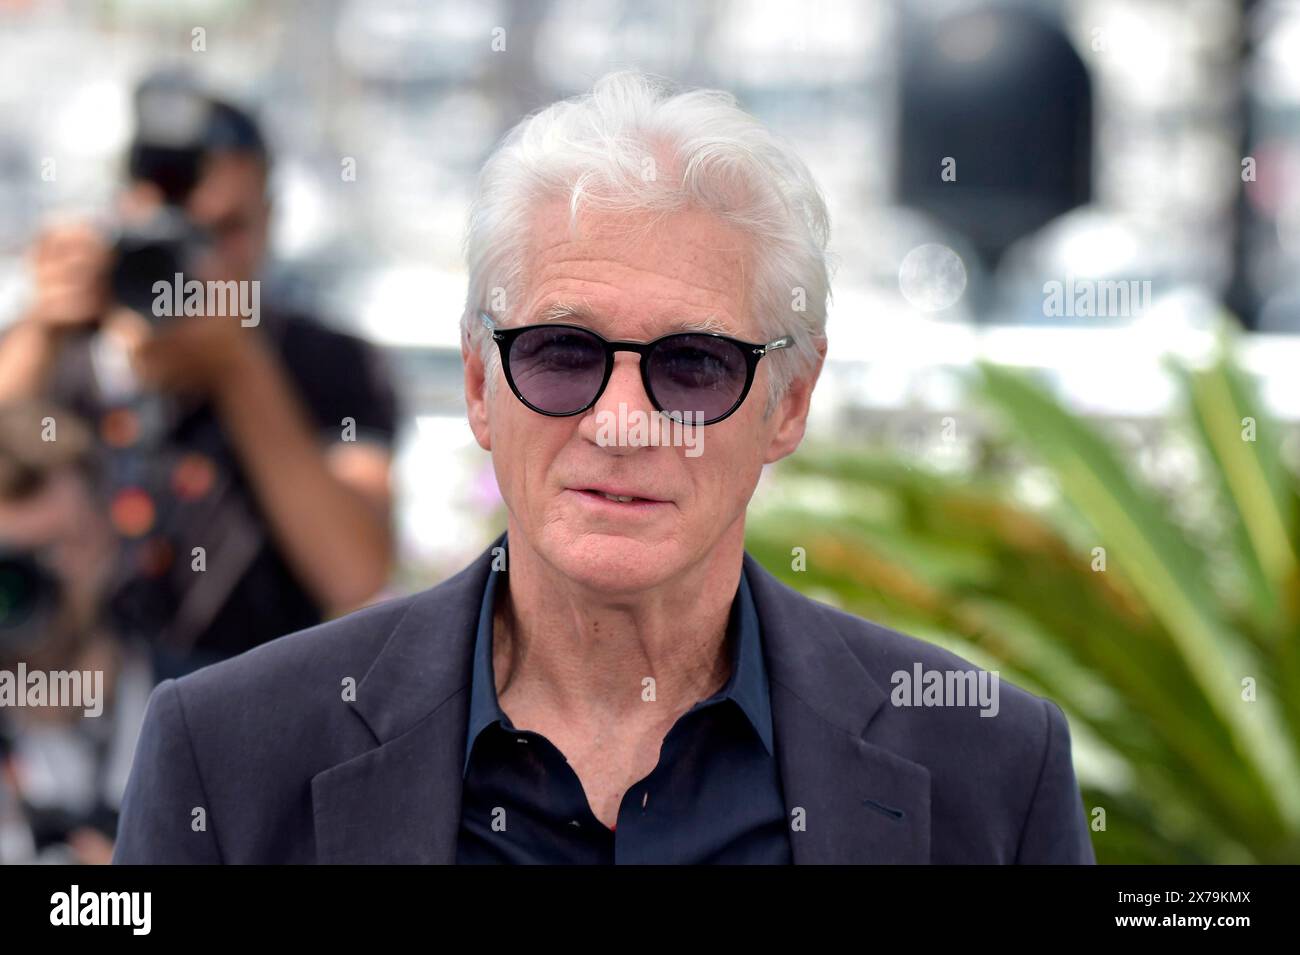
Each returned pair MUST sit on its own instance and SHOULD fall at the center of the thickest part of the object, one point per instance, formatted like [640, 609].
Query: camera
[176, 127]
[165, 245]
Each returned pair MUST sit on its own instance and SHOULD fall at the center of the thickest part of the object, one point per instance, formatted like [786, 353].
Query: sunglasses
[561, 370]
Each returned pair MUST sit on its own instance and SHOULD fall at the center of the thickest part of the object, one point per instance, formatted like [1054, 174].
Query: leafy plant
[1169, 633]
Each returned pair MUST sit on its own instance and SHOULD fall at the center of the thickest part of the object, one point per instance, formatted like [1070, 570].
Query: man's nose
[603, 423]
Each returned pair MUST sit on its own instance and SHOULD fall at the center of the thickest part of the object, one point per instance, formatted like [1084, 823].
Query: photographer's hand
[70, 266]
[70, 289]
[197, 355]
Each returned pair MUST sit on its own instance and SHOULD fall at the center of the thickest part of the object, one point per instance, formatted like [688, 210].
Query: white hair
[635, 144]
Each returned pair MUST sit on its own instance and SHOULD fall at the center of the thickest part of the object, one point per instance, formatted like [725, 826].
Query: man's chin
[615, 563]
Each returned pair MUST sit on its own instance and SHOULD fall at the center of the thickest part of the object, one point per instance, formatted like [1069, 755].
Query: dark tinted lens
[557, 370]
[697, 373]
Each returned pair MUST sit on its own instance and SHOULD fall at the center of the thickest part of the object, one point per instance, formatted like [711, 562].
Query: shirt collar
[747, 686]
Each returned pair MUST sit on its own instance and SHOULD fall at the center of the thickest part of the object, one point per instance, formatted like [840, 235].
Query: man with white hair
[614, 680]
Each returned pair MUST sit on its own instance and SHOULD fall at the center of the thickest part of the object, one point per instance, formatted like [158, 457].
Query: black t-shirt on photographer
[186, 490]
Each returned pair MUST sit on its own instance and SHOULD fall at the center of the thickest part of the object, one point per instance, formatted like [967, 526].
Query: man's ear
[476, 393]
[791, 412]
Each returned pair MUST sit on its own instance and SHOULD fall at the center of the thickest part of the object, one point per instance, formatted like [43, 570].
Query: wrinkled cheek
[521, 462]
[727, 490]
[509, 480]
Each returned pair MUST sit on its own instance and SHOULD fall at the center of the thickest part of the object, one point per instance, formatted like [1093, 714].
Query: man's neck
[587, 659]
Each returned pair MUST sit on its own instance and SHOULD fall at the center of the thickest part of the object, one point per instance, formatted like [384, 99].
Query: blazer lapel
[860, 802]
[400, 801]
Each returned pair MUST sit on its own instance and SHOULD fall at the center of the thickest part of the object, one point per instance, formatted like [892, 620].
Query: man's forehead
[626, 232]
[687, 268]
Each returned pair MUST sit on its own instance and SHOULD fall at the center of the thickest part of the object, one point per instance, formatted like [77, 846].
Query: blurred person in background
[247, 454]
[63, 768]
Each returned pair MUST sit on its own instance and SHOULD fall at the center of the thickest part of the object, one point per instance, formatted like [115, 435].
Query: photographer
[247, 460]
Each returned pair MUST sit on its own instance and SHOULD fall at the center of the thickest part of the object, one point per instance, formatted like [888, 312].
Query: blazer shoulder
[245, 737]
[894, 661]
[887, 652]
[302, 675]
[346, 645]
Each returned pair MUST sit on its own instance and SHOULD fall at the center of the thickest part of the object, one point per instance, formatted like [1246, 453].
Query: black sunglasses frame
[753, 352]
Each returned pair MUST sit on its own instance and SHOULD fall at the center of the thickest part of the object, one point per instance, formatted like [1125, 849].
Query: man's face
[230, 202]
[637, 279]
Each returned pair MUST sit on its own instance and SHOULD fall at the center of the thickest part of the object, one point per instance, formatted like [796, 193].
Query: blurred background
[1058, 431]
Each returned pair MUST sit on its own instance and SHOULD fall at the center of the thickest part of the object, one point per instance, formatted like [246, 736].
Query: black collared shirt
[714, 797]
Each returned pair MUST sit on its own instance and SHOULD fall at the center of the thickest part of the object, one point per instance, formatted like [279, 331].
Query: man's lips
[619, 495]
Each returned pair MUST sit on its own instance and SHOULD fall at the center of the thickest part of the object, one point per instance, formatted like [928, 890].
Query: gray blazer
[265, 758]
